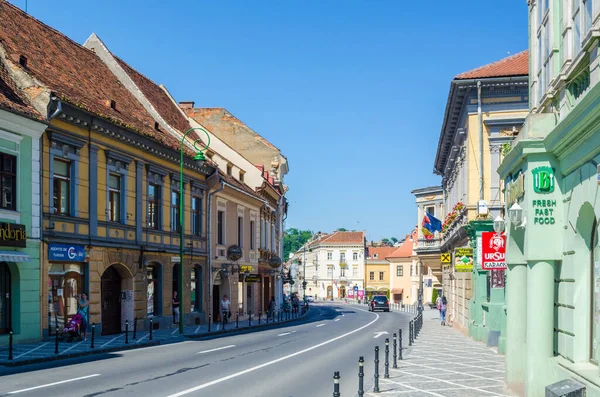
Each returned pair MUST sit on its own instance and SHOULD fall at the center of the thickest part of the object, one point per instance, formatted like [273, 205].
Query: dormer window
[112, 104]
[375, 256]
[242, 173]
[23, 61]
[156, 126]
[229, 169]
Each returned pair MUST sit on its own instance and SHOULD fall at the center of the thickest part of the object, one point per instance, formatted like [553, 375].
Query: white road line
[337, 319]
[285, 333]
[142, 349]
[320, 325]
[112, 340]
[214, 350]
[53, 384]
[32, 350]
[235, 375]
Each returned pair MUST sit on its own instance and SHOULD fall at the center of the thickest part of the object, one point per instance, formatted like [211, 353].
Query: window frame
[111, 193]
[371, 276]
[14, 180]
[221, 227]
[399, 271]
[155, 223]
[175, 211]
[381, 276]
[65, 178]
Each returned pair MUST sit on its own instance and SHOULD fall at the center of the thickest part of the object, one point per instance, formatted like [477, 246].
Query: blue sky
[352, 91]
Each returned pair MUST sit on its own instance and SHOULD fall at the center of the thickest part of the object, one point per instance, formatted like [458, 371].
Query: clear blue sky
[353, 92]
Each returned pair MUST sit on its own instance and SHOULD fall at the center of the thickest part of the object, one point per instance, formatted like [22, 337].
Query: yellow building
[377, 271]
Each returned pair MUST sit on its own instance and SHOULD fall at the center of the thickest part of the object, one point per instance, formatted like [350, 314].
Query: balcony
[425, 246]
[343, 264]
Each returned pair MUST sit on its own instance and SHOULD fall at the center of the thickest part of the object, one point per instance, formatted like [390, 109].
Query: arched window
[5, 296]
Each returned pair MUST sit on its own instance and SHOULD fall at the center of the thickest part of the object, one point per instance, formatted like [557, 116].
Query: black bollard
[410, 333]
[152, 326]
[376, 386]
[249, 319]
[386, 373]
[56, 340]
[336, 384]
[209, 321]
[361, 375]
[10, 345]
[135, 329]
[93, 335]
[223, 321]
[400, 343]
[259, 316]
[126, 331]
[395, 355]
[237, 320]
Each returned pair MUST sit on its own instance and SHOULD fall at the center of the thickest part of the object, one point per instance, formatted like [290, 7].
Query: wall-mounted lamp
[499, 224]
[515, 214]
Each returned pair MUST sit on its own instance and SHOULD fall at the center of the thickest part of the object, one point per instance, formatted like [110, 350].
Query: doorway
[216, 308]
[154, 290]
[266, 282]
[5, 294]
[342, 292]
[111, 301]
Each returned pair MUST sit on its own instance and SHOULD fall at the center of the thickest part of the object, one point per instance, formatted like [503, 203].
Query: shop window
[5, 295]
[61, 182]
[8, 181]
[196, 289]
[114, 197]
[154, 206]
[153, 292]
[65, 282]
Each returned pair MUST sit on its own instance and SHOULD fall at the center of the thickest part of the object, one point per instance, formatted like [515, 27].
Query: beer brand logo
[496, 243]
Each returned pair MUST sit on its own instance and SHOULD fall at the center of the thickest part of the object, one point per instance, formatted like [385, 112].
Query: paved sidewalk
[30, 353]
[444, 363]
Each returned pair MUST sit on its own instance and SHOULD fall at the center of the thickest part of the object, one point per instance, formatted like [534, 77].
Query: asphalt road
[292, 361]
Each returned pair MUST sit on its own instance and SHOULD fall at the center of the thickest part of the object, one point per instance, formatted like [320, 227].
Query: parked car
[379, 302]
[310, 299]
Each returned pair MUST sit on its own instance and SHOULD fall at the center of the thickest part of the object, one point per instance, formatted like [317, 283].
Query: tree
[385, 241]
[394, 240]
[293, 239]
[341, 229]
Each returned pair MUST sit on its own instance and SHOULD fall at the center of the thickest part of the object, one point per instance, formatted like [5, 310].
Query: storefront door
[111, 301]
[65, 282]
[5, 294]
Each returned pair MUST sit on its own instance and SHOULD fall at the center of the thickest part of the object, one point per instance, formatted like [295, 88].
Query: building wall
[400, 281]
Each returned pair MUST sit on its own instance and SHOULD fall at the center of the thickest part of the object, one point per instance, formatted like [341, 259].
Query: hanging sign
[493, 249]
[463, 260]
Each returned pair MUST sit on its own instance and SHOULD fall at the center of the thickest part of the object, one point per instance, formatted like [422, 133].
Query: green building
[552, 195]
[20, 130]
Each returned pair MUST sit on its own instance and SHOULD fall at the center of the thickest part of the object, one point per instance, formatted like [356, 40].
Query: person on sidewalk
[175, 308]
[438, 303]
[443, 310]
[225, 309]
[84, 309]
[272, 308]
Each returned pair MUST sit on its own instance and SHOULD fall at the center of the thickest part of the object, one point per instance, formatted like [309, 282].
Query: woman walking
[443, 310]
[84, 309]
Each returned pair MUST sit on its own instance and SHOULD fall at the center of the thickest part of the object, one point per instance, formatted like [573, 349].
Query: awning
[13, 256]
[397, 291]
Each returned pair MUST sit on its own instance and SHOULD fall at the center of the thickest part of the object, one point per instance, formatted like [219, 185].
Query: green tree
[434, 295]
[293, 239]
[394, 240]
[341, 229]
[385, 241]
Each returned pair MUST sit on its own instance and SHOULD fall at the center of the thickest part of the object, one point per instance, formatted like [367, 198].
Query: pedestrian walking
[272, 307]
[443, 310]
[175, 308]
[438, 303]
[225, 309]
[84, 309]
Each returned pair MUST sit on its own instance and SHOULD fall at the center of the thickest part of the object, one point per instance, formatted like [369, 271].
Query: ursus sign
[493, 250]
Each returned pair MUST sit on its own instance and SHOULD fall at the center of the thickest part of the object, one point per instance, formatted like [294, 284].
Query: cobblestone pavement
[444, 363]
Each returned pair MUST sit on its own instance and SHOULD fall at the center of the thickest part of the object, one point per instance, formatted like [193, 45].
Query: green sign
[543, 180]
[543, 212]
[463, 259]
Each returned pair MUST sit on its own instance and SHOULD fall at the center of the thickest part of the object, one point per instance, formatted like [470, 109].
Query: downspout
[480, 116]
[208, 249]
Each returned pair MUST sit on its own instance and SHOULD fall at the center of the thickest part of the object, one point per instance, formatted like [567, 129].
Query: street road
[291, 361]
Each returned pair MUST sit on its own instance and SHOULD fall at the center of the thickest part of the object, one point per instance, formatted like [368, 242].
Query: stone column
[516, 326]
[540, 325]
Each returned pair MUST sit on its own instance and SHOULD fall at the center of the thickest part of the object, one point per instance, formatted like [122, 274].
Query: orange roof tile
[344, 237]
[12, 99]
[514, 65]
[381, 252]
[406, 248]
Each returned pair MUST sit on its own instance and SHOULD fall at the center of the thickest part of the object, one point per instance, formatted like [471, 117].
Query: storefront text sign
[515, 188]
[66, 253]
[543, 180]
[543, 212]
[493, 249]
[463, 259]
[252, 278]
[13, 235]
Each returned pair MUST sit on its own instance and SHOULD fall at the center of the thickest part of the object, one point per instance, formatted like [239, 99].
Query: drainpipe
[208, 249]
[480, 116]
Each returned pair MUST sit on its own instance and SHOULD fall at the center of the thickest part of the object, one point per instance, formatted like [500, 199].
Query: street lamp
[499, 225]
[199, 157]
[515, 213]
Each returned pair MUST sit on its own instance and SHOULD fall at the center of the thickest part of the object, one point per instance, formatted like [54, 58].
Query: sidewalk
[444, 363]
[38, 352]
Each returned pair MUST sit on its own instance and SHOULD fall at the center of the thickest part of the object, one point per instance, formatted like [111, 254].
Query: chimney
[185, 105]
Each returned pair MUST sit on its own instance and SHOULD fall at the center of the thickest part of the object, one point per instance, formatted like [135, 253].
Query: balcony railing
[343, 264]
[423, 243]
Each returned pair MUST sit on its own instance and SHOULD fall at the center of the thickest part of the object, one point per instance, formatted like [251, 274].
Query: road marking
[112, 340]
[214, 350]
[32, 350]
[53, 384]
[337, 319]
[285, 333]
[235, 375]
[142, 349]
[378, 334]
[320, 325]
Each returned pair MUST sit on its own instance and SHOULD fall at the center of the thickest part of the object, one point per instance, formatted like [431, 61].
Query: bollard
[223, 320]
[395, 355]
[126, 331]
[93, 335]
[400, 343]
[152, 326]
[56, 340]
[259, 316]
[336, 384]
[386, 373]
[10, 345]
[249, 319]
[237, 320]
[410, 333]
[135, 328]
[376, 385]
[361, 375]
[209, 321]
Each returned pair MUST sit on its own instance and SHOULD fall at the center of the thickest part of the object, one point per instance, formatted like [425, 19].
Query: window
[355, 256]
[5, 283]
[272, 238]
[153, 206]
[229, 169]
[342, 271]
[62, 187]
[242, 176]
[329, 255]
[576, 28]
[587, 15]
[330, 271]
[8, 180]
[240, 231]
[221, 227]
[399, 271]
[196, 216]
[175, 221]
[380, 276]
[114, 197]
[430, 210]
[372, 276]
[252, 235]
[342, 257]
[355, 272]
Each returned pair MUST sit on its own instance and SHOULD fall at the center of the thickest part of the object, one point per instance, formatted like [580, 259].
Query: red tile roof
[405, 250]
[73, 72]
[344, 237]
[13, 100]
[514, 65]
[381, 252]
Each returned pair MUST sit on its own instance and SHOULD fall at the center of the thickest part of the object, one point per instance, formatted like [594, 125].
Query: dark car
[379, 302]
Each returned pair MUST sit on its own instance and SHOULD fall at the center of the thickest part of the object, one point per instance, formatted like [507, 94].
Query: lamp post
[201, 159]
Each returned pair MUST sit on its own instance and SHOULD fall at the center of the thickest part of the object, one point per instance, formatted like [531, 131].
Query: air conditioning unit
[565, 388]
